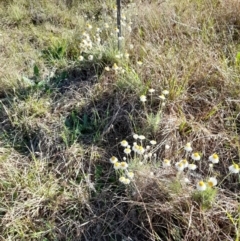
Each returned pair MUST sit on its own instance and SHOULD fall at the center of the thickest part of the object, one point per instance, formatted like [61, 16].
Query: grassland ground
[71, 103]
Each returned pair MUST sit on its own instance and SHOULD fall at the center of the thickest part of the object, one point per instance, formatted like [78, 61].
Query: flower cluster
[97, 39]
[137, 152]
[162, 97]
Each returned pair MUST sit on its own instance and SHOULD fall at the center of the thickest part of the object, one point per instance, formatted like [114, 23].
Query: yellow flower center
[184, 161]
[210, 183]
[201, 183]
[196, 154]
[236, 166]
[215, 156]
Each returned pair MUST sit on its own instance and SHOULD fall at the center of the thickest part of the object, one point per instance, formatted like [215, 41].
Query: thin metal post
[119, 23]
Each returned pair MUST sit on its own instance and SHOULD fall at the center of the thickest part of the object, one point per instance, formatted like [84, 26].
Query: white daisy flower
[113, 159]
[165, 92]
[126, 181]
[117, 165]
[122, 179]
[127, 151]
[151, 91]
[153, 142]
[140, 150]
[115, 67]
[124, 143]
[90, 57]
[212, 181]
[214, 158]
[130, 175]
[184, 162]
[201, 186]
[162, 97]
[141, 137]
[179, 166]
[192, 167]
[135, 148]
[195, 156]
[135, 136]
[188, 147]
[166, 163]
[80, 58]
[123, 165]
[234, 168]
[143, 98]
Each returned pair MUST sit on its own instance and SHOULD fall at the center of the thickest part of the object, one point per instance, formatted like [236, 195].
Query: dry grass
[62, 119]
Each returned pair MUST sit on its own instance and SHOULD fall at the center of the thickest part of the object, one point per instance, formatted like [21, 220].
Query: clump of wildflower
[166, 163]
[113, 159]
[234, 168]
[143, 98]
[179, 166]
[195, 156]
[192, 167]
[214, 158]
[188, 147]
[124, 143]
[201, 186]
[123, 165]
[212, 181]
